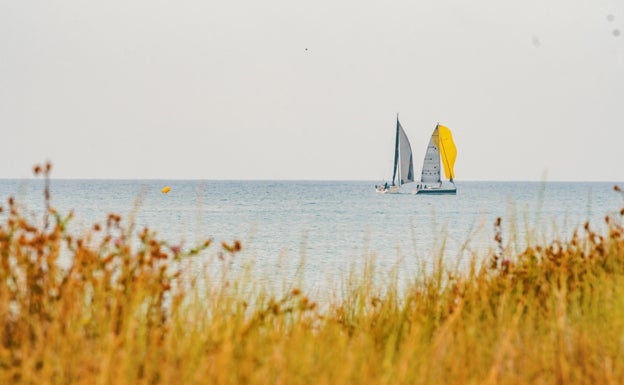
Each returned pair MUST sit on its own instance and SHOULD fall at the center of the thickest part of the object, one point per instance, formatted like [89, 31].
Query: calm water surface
[333, 224]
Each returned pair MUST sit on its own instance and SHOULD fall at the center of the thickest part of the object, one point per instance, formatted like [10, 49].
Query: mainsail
[403, 163]
[431, 164]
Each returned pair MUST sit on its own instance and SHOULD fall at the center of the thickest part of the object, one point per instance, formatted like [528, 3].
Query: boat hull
[388, 190]
[436, 191]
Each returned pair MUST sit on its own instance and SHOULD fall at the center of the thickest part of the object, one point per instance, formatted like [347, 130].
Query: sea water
[331, 227]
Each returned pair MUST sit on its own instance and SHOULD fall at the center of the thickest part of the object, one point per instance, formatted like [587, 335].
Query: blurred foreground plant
[119, 306]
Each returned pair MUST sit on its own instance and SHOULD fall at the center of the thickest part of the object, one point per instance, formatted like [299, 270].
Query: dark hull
[438, 191]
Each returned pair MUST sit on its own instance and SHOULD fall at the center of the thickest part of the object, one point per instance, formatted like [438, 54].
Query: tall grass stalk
[130, 308]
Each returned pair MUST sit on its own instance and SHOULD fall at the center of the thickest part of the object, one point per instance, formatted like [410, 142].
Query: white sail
[431, 164]
[403, 161]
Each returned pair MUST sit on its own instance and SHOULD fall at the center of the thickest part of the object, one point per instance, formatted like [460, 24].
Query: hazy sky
[287, 89]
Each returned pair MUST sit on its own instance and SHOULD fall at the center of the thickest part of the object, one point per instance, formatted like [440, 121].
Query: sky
[297, 90]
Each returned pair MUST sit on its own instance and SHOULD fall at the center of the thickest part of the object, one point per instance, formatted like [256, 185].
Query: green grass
[131, 309]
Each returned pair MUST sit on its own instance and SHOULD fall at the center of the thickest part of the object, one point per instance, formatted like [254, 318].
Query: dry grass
[126, 309]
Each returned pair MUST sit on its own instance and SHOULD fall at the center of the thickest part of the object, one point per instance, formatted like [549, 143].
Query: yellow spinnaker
[448, 151]
[165, 189]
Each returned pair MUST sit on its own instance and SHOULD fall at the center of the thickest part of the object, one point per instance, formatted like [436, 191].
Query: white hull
[387, 190]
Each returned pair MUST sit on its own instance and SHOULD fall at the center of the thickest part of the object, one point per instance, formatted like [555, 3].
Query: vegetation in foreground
[126, 308]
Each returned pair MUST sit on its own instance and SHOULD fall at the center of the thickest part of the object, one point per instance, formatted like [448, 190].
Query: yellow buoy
[165, 189]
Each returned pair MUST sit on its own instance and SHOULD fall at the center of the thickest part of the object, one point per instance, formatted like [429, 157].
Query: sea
[320, 232]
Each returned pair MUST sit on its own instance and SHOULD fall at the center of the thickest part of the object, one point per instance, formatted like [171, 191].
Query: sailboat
[403, 171]
[441, 149]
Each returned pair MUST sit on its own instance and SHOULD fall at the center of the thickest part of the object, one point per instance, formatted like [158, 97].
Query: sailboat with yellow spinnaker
[441, 151]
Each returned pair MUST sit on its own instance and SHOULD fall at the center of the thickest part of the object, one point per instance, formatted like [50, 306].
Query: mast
[441, 148]
[396, 154]
[400, 168]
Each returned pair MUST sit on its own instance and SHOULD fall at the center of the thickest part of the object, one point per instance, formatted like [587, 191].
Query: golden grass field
[127, 309]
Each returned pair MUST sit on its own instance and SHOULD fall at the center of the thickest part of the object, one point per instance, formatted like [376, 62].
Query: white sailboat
[441, 149]
[403, 171]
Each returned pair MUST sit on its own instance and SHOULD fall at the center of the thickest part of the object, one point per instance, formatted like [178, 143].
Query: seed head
[176, 249]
